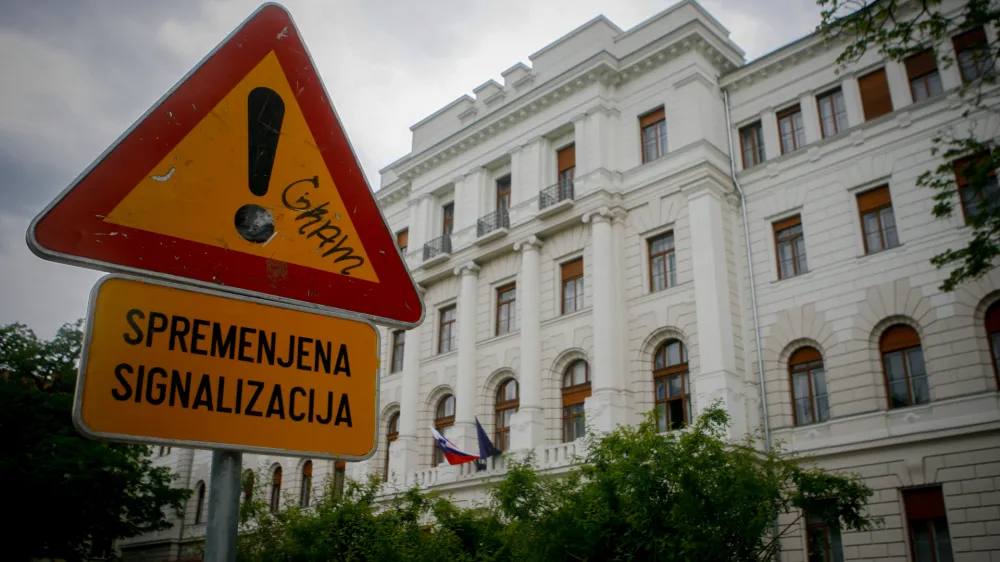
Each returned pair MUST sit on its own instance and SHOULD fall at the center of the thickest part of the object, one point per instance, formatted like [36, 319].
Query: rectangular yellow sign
[167, 364]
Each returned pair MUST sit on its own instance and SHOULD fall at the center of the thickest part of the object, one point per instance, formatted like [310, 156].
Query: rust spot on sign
[277, 271]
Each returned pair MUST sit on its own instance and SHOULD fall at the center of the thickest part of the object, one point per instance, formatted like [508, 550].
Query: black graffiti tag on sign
[332, 240]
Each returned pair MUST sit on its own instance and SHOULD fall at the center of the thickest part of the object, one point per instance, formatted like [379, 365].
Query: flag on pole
[486, 448]
[451, 453]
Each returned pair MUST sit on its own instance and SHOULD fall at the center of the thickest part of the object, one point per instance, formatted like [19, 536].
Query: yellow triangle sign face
[197, 190]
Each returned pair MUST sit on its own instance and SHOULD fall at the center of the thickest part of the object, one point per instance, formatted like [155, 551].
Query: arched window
[671, 386]
[812, 404]
[199, 506]
[276, 490]
[307, 482]
[506, 404]
[903, 365]
[993, 333]
[575, 388]
[391, 434]
[339, 477]
[248, 484]
[444, 418]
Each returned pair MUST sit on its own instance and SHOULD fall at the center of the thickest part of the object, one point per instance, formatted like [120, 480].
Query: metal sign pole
[223, 506]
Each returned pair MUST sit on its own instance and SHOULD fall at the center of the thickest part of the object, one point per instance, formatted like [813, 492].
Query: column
[465, 388]
[406, 450]
[810, 118]
[528, 425]
[605, 408]
[852, 100]
[769, 126]
[899, 84]
[717, 376]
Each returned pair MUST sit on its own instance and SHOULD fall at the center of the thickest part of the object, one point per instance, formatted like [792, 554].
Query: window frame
[838, 126]
[931, 509]
[391, 435]
[668, 283]
[876, 200]
[756, 129]
[790, 113]
[918, 69]
[991, 321]
[961, 181]
[398, 344]
[305, 493]
[275, 504]
[654, 118]
[970, 40]
[781, 226]
[573, 395]
[803, 360]
[506, 308]
[450, 324]
[448, 218]
[502, 432]
[199, 505]
[339, 477]
[566, 164]
[578, 286]
[903, 345]
[442, 421]
[665, 373]
[878, 105]
[503, 192]
[403, 240]
[812, 521]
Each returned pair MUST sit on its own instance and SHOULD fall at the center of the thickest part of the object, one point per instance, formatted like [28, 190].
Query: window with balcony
[503, 193]
[671, 386]
[922, 71]
[812, 404]
[752, 145]
[305, 493]
[875, 99]
[878, 224]
[791, 131]
[566, 165]
[391, 435]
[506, 308]
[653, 131]
[398, 344]
[447, 219]
[444, 419]
[832, 112]
[575, 389]
[442, 244]
[507, 401]
[927, 520]
[402, 240]
[500, 217]
[903, 365]
[973, 53]
[977, 186]
[823, 536]
[791, 247]
[446, 329]
[662, 262]
[572, 286]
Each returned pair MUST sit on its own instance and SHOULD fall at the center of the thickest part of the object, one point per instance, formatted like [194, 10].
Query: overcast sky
[76, 73]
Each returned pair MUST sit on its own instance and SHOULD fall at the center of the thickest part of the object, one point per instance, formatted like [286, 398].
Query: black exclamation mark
[265, 111]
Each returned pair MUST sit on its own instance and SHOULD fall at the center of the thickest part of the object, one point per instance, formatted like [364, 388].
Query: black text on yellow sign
[192, 367]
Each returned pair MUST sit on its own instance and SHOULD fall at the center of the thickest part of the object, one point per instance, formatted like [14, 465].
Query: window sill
[568, 315]
[437, 356]
[888, 251]
[653, 295]
[501, 337]
[807, 275]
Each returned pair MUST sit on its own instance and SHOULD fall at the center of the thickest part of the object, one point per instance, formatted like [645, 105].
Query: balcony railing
[494, 221]
[437, 246]
[553, 194]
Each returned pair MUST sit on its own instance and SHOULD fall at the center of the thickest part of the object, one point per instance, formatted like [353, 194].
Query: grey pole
[223, 506]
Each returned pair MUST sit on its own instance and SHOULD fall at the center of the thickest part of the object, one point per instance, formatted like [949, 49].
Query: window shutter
[920, 64]
[924, 503]
[402, 238]
[566, 157]
[969, 39]
[875, 94]
[899, 337]
[651, 117]
[572, 269]
[874, 199]
[787, 223]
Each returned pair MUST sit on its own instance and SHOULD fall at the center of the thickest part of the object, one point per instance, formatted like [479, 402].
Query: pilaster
[852, 100]
[464, 432]
[899, 85]
[810, 117]
[528, 424]
[405, 454]
[769, 126]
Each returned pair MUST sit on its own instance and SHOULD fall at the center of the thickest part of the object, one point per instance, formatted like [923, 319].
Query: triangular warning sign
[243, 179]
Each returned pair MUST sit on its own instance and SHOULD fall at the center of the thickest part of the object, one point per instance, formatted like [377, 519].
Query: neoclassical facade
[642, 220]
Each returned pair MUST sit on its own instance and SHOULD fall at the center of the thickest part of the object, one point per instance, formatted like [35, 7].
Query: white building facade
[583, 252]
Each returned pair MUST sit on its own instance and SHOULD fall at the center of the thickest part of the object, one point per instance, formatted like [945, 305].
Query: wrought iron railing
[555, 193]
[494, 221]
[439, 245]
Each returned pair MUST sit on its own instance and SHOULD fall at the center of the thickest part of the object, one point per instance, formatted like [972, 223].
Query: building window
[339, 477]
[446, 329]
[391, 434]
[752, 145]
[903, 364]
[969, 175]
[506, 405]
[575, 389]
[276, 490]
[249, 480]
[164, 451]
[402, 240]
[199, 506]
[506, 314]
[671, 386]
[878, 224]
[572, 286]
[823, 538]
[791, 129]
[928, 522]
[503, 193]
[993, 333]
[922, 71]
[653, 127]
[875, 99]
[398, 345]
[662, 262]
[566, 166]
[307, 481]
[812, 405]
[444, 418]
[791, 245]
[447, 219]
[832, 112]
[973, 53]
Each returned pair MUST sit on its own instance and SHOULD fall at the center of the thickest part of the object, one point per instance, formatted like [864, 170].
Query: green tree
[71, 492]
[898, 29]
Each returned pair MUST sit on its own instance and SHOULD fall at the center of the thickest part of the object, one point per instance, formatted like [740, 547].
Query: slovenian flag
[451, 453]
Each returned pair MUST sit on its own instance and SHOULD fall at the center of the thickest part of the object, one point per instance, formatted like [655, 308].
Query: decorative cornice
[467, 268]
[605, 214]
[528, 243]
